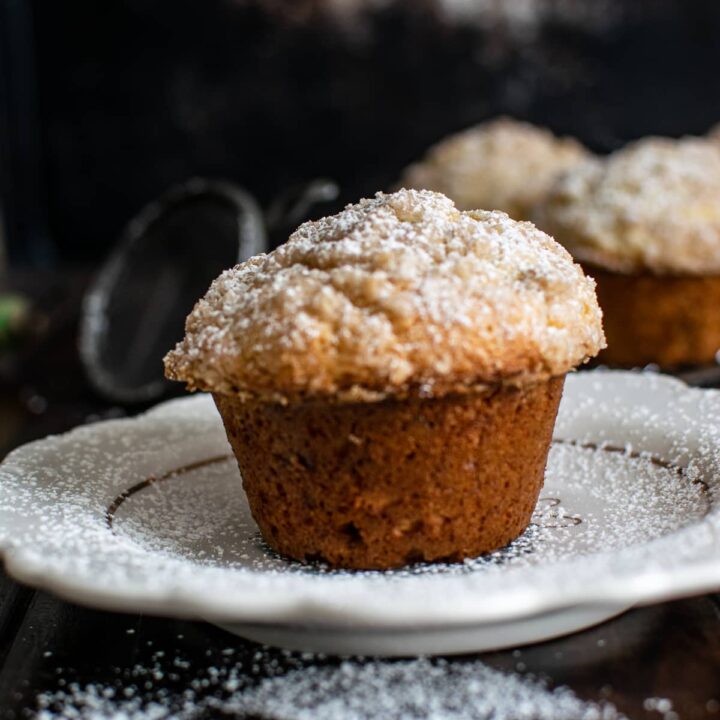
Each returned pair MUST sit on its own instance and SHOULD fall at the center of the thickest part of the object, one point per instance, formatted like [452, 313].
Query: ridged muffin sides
[386, 484]
[667, 320]
[502, 164]
[398, 295]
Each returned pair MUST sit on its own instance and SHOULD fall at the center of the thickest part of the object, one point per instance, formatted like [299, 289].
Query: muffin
[389, 378]
[498, 165]
[645, 223]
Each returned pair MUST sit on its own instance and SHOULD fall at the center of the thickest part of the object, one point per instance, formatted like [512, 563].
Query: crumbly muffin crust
[396, 295]
[498, 165]
[652, 206]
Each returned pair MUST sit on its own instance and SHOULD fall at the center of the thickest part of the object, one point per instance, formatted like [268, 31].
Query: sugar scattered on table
[298, 687]
[661, 705]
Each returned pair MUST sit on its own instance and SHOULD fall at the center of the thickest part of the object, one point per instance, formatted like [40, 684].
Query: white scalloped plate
[148, 515]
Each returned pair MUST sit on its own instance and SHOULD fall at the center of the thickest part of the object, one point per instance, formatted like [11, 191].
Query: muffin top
[652, 206]
[498, 165]
[396, 295]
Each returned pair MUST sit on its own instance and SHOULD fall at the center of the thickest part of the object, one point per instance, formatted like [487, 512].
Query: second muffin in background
[501, 164]
[645, 223]
[389, 378]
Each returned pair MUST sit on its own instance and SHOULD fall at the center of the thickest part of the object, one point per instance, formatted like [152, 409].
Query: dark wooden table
[669, 651]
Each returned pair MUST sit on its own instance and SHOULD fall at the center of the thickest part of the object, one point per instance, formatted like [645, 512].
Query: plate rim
[653, 586]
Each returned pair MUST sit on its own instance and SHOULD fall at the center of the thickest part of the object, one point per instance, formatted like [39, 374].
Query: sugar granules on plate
[303, 687]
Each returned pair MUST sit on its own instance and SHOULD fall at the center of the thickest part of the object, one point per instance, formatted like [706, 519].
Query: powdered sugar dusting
[187, 547]
[395, 293]
[652, 205]
[595, 500]
[502, 164]
[311, 688]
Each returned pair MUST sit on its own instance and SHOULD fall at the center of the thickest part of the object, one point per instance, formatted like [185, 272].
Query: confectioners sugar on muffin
[396, 295]
[653, 206]
[498, 165]
[389, 378]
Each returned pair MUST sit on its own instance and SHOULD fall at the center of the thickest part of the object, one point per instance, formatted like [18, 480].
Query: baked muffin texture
[645, 223]
[502, 164]
[389, 378]
[653, 206]
[666, 320]
[399, 294]
[392, 483]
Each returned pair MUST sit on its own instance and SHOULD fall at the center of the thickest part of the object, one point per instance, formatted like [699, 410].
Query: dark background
[105, 105]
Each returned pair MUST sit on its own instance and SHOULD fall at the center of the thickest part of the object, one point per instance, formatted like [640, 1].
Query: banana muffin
[389, 378]
[645, 223]
[502, 164]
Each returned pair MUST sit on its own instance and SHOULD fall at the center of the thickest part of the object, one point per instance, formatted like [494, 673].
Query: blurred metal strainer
[168, 256]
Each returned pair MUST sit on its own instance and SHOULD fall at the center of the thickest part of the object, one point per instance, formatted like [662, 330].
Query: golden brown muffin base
[381, 485]
[663, 319]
